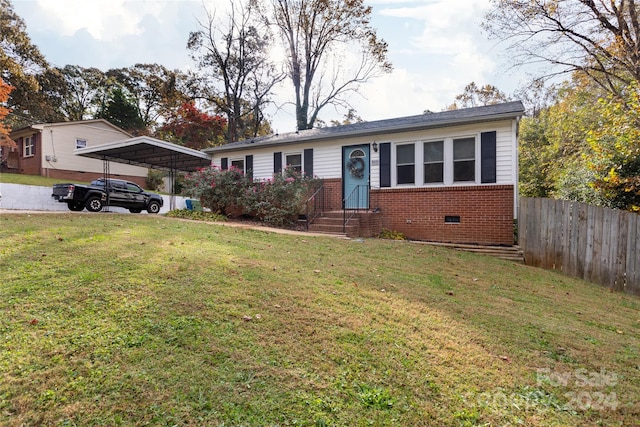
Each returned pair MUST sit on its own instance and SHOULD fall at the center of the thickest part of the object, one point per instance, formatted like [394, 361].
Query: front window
[81, 143]
[433, 162]
[28, 147]
[294, 161]
[464, 159]
[405, 162]
[238, 163]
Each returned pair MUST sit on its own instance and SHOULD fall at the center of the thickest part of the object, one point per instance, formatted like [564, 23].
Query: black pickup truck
[94, 197]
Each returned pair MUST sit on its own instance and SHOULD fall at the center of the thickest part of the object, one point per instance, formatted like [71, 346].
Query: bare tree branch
[312, 32]
[597, 38]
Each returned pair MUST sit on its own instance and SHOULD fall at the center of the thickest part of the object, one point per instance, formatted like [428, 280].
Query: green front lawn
[110, 319]
[15, 178]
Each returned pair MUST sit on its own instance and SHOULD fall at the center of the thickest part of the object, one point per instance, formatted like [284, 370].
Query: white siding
[327, 155]
[59, 142]
[262, 164]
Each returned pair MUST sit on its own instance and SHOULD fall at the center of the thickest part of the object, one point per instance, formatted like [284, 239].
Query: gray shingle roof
[402, 124]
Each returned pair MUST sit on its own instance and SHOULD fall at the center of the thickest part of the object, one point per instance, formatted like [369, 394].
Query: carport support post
[172, 179]
[107, 173]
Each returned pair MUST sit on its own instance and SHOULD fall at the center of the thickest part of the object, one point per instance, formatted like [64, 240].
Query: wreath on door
[356, 167]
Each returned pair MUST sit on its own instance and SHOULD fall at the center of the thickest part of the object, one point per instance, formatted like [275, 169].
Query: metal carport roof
[149, 153]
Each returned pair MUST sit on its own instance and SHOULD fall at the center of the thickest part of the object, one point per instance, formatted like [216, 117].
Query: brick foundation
[485, 213]
[370, 223]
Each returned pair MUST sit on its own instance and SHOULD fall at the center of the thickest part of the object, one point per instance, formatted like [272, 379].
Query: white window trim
[394, 159]
[448, 162]
[238, 159]
[293, 153]
[444, 161]
[32, 145]
[476, 154]
[86, 143]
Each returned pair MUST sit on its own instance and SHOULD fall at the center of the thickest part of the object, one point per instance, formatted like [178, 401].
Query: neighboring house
[48, 150]
[445, 177]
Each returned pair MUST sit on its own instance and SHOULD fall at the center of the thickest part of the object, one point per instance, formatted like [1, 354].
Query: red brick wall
[486, 213]
[333, 194]
[370, 223]
[29, 165]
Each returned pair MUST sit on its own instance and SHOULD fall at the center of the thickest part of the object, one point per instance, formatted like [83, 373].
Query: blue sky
[436, 47]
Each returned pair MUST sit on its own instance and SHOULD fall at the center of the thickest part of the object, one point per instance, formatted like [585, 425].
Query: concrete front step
[319, 228]
[332, 223]
[511, 253]
[332, 228]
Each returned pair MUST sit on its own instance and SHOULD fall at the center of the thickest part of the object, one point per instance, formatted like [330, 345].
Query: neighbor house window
[405, 163]
[238, 163]
[464, 159]
[81, 143]
[433, 162]
[28, 146]
[294, 161]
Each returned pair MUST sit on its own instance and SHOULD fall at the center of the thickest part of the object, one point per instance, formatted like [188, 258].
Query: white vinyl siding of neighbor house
[327, 154]
[59, 142]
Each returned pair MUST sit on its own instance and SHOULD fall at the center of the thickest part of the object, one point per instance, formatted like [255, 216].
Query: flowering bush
[281, 199]
[220, 190]
[277, 201]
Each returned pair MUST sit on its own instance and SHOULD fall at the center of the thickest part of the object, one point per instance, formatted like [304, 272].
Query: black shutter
[248, 166]
[224, 163]
[488, 157]
[34, 140]
[277, 162]
[308, 162]
[385, 164]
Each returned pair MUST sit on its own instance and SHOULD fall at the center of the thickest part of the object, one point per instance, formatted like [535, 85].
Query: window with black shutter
[277, 162]
[488, 157]
[308, 162]
[385, 164]
[248, 165]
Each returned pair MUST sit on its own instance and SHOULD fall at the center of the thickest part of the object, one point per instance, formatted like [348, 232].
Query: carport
[150, 153]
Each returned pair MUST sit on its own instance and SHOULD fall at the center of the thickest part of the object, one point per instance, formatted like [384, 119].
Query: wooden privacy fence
[596, 244]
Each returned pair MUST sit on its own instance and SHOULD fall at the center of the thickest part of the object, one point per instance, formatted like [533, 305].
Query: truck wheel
[154, 207]
[74, 206]
[135, 210]
[94, 204]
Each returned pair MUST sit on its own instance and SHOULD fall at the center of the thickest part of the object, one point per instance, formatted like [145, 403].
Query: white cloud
[104, 20]
[447, 26]
[443, 47]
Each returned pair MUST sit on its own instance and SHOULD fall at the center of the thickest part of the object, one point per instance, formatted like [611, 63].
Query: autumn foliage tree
[20, 64]
[193, 128]
[553, 145]
[616, 149]
[5, 90]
